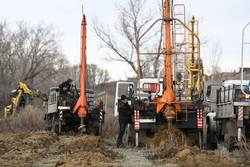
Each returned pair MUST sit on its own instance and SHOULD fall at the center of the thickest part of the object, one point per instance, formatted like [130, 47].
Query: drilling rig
[166, 101]
[78, 111]
[82, 105]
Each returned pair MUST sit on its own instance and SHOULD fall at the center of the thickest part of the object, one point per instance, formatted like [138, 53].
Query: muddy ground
[41, 149]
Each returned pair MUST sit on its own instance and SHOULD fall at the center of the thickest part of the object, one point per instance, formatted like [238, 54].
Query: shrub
[29, 118]
[111, 125]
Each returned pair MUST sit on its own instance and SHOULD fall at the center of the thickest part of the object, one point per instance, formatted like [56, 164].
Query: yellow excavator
[22, 97]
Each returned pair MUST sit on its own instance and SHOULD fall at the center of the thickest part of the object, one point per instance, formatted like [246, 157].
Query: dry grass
[222, 150]
[240, 153]
[111, 126]
[30, 118]
[173, 142]
[244, 148]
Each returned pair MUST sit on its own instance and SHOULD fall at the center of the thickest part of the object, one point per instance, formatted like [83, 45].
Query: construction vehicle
[176, 97]
[78, 111]
[22, 97]
[230, 122]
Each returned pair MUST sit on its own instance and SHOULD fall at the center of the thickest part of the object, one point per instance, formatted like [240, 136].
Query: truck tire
[211, 141]
[100, 129]
[200, 139]
[53, 124]
[60, 128]
[229, 140]
[48, 122]
[54, 127]
[96, 131]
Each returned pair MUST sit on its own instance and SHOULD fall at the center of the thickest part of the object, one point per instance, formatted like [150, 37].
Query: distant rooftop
[245, 69]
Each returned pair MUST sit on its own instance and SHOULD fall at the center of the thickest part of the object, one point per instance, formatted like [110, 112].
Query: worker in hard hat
[125, 113]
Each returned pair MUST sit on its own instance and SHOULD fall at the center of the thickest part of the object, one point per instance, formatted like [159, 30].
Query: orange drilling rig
[79, 110]
[176, 97]
[82, 105]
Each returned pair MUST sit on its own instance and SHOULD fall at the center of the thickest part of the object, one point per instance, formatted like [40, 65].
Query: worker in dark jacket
[125, 113]
[65, 86]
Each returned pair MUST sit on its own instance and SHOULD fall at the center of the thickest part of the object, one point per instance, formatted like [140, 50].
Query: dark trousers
[121, 133]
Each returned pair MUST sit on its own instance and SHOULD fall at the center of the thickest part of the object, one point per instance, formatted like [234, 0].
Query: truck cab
[148, 88]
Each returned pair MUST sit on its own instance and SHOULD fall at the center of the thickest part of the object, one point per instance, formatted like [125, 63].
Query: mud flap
[60, 122]
[200, 126]
[240, 122]
[137, 126]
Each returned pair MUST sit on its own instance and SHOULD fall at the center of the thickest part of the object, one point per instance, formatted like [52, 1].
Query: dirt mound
[194, 157]
[47, 149]
[23, 148]
[175, 147]
[86, 150]
[170, 141]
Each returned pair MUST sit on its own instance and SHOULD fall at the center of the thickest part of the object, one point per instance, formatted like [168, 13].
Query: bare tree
[30, 55]
[6, 60]
[37, 53]
[74, 73]
[133, 20]
[96, 76]
[216, 55]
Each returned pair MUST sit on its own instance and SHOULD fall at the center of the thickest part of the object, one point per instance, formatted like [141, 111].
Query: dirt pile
[194, 157]
[174, 147]
[24, 148]
[47, 149]
[169, 142]
[86, 150]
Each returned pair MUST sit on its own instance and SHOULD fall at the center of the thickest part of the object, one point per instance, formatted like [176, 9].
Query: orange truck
[80, 110]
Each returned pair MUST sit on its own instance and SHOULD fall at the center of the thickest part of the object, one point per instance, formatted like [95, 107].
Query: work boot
[119, 144]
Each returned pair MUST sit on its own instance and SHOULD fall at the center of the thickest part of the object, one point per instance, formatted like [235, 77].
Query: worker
[125, 118]
[65, 86]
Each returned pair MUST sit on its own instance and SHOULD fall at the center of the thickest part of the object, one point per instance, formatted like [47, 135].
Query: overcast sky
[221, 21]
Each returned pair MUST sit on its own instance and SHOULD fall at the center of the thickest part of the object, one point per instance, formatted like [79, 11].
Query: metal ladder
[180, 56]
[193, 46]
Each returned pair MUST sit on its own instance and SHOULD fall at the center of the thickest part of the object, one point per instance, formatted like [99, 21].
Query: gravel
[136, 157]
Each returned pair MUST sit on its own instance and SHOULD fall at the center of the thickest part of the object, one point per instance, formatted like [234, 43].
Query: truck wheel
[229, 140]
[60, 127]
[48, 123]
[54, 128]
[100, 129]
[53, 124]
[96, 131]
[200, 140]
[211, 141]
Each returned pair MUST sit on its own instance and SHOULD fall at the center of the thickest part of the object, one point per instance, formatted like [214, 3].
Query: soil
[86, 150]
[24, 148]
[46, 149]
[175, 147]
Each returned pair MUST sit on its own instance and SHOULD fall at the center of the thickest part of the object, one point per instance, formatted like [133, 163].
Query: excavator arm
[15, 101]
